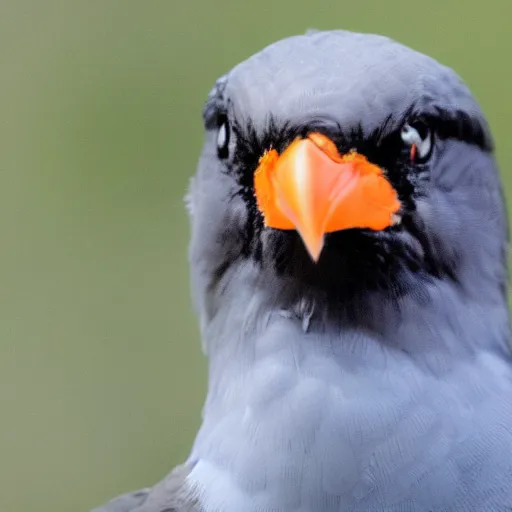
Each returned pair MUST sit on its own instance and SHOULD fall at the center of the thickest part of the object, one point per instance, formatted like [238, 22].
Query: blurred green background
[101, 374]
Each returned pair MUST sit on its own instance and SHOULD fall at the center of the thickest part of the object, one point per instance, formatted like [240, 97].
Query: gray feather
[125, 503]
[170, 495]
[312, 76]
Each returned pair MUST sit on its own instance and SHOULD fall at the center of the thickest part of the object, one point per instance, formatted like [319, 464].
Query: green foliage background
[101, 374]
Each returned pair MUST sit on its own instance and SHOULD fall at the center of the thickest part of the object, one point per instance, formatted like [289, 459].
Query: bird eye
[418, 136]
[223, 138]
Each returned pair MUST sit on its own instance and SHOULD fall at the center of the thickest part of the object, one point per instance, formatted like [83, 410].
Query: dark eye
[418, 136]
[223, 137]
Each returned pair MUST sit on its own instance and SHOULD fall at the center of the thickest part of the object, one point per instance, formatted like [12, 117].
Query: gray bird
[348, 262]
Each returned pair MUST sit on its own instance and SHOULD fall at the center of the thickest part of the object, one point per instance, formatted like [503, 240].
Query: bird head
[342, 165]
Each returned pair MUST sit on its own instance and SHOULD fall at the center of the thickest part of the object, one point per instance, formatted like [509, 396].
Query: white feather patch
[215, 490]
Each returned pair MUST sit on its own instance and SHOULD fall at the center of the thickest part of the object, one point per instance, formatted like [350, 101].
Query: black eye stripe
[377, 145]
[459, 125]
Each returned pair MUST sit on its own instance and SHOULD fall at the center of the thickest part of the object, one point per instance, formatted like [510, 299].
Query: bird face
[346, 163]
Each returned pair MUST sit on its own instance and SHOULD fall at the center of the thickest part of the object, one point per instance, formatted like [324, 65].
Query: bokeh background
[101, 374]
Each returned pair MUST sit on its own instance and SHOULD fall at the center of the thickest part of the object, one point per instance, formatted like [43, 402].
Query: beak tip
[315, 249]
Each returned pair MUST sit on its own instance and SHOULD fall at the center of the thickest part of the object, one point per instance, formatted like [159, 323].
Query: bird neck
[285, 391]
[435, 317]
[435, 329]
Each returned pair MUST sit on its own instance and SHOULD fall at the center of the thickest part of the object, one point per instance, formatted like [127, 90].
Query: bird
[348, 260]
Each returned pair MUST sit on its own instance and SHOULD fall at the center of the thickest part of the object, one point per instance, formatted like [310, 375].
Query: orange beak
[311, 188]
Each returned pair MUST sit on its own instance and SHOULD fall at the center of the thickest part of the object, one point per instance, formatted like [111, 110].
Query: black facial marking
[459, 125]
[383, 147]
[352, 261]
